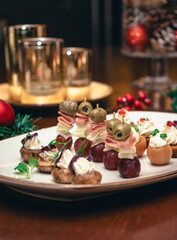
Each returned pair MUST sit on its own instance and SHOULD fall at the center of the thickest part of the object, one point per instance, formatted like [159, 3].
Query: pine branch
[23, 124]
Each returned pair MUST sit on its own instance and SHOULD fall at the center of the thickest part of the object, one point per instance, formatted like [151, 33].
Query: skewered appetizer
[61, 173]
[31, 147]
[46, 156]
[140, 142]
[95, 130]
[82, 121]
[110, 158]
[122, 139]
[171, 138]
[145, 128]
[67, 110]
[83, 170]
[159, 152]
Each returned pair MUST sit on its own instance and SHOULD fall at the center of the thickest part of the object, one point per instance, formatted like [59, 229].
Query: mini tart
[62, 175]
[174, 151]
[141, 146]
[159, 155]
[93, 177]
[45, 166]
[27, 153]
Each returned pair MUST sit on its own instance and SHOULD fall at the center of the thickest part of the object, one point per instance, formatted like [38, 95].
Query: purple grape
[129, 168]
[111, 160]
[97, 152]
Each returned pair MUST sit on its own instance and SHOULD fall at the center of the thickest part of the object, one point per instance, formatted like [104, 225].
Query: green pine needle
[23, 124]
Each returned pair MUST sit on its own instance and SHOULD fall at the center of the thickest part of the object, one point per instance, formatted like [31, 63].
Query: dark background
[81, 23]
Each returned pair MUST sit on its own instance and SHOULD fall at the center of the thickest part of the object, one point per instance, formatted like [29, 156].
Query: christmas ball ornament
[119, 100]
[128, 108]
[6, 114]
[138, 105]
[129, 97]
[141, 95]
[147, 101]
[136, 38]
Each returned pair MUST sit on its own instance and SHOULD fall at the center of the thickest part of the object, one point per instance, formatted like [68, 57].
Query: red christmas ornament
[119, 100]
[6, 114]
[141, 95]
[137, 104]
[128, 108]
[129, 97]
[136, 38]
[147, 101]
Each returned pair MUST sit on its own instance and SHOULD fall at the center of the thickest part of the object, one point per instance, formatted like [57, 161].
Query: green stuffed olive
[122, 132]
[111, 125]
[85, 108]
[68, 107]
[98, 115]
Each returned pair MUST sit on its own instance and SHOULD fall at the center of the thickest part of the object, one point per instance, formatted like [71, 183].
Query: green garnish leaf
[54, 143]
[131, 125]
[163, 135]
[50, 143]
[33, 162]
[136, 128]
[57, 154]
[27, 136]
[22, 167]
[82, 147]
[153, 133]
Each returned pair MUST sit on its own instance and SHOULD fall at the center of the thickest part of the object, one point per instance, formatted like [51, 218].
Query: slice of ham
[128, 143]
[81, 119]
[66, 120]
[95, 127]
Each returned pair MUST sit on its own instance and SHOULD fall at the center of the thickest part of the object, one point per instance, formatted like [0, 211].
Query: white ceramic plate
[41, 184]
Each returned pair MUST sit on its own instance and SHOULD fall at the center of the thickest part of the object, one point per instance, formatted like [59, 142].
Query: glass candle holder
[12, 34]
[77, 71]
[40, 65]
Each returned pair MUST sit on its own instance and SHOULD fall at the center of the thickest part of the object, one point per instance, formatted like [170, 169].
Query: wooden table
[139, 214]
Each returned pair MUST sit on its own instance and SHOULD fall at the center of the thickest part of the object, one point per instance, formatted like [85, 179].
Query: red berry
[128, 108]
[141, 95]
[169, 123]
[147, 101]
[121, 112]
[137, 104]
[119, 100]
[129, 97]
[142, 120]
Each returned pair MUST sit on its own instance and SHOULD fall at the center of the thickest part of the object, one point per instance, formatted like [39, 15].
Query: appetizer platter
[90, 153]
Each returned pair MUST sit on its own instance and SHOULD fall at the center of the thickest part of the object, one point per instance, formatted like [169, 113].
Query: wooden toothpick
[114, 115]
